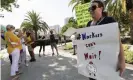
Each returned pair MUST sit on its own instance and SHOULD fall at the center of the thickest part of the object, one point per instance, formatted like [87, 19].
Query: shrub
[68, 46]
[128, 54]
[129, 57]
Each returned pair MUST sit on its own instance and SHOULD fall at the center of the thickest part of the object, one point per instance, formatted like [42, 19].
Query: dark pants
[65, 42]
[42, 46]
[132, 42]
[32, 54]
[10, 57]
[74, 48]
[91, 79]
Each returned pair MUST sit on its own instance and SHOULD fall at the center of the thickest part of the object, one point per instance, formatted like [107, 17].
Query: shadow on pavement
[128, 74]
[51, 68]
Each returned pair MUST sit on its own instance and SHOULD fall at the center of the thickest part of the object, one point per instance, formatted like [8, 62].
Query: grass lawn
[68, 46]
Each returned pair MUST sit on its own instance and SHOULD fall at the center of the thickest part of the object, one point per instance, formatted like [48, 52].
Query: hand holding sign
[120, 68]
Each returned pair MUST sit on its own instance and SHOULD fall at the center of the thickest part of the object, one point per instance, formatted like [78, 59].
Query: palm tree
[129, 7]
[33, 21]
[26, 25]
[117, 9]
[122, 11]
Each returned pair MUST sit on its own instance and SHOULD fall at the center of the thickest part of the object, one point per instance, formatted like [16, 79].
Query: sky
[53, 12]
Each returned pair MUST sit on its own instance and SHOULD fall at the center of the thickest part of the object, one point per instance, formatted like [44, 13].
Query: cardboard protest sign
[97, 51]
[82, 14]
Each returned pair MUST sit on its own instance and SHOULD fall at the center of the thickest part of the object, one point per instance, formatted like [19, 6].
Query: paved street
[61, 67]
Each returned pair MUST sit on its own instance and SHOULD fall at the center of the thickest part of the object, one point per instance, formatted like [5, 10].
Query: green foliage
[128, 54]
[6, 4]
[71, 23]
[33, 21]
[64, 28]
[26, 25]
[117, 10]
[129, 57]
[68, 46]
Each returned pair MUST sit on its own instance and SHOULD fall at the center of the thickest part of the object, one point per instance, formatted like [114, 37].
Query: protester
[42, 45]
[96, 10]
[31, 45]
[22, 59]
[59, 40]
[24, 32]
[10, 56]
[53, 42]
[73, 37]
[65, 39]
[2, 34]
[13, 48]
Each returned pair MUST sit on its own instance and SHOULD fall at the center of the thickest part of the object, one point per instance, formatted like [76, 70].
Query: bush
[68, 46]
[128, 54]
[129, 57]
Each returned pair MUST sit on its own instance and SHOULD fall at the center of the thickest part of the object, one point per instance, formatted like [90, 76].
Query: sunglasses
[93, 8]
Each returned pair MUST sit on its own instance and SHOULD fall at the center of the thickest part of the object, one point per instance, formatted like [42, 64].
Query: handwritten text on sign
[82, 14]
[98, 49]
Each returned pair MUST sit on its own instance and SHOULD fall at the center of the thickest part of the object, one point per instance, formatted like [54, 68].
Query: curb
[129, 66]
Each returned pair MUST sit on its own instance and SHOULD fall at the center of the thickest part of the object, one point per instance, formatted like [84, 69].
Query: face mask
[16, 33]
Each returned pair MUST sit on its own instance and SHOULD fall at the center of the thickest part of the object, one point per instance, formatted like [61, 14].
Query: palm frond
[26, 25]
[74, 6]
[123, 2]
[72, 2]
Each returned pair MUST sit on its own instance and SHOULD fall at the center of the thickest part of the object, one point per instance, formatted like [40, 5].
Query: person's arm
[121, 60]
[13, 43]
[25, 39]
[32, 37]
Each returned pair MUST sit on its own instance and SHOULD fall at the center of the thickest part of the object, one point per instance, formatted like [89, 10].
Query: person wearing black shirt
[99, 18]
[60, 41]
[65, 39]
[42, 45]
[53, 43]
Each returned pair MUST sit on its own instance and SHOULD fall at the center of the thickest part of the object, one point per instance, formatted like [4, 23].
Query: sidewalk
[63, 67]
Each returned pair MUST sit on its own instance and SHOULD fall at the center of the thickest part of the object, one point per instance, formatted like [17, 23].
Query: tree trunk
[36, 34]
[131, 27]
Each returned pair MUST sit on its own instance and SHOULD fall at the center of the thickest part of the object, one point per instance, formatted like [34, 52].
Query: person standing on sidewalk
[99, 18]
[64, 39]
[60, 40]
[42, 45]
[30, 43]
[22, 59]
[13, 48]
[10, 56]
[73, 37]
[53, 43]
